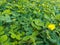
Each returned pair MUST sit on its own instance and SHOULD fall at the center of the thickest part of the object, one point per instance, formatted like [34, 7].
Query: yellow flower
[51, 26]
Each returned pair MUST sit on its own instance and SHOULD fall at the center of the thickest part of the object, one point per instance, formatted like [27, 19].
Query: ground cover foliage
[29, 22]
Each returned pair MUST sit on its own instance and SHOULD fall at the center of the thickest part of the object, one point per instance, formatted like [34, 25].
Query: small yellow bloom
[51, 26]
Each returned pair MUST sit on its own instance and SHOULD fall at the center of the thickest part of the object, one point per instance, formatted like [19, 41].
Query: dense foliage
[29, 22]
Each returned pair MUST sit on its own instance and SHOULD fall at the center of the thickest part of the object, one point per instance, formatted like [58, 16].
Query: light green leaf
[18, 37]
[13, 35]
[4, 38]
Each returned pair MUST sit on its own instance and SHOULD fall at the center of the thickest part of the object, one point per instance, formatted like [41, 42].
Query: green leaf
[57, 17]
[1, 28]
[7, 12]
[38, 22]
[35, 33]
[13, 35]
[4, 38]
[37, 27]
[26, 38]
[2, 32]
[0, 23]
[18, 37]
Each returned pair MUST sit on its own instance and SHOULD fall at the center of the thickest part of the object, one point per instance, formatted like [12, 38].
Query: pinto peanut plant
[29, 22]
